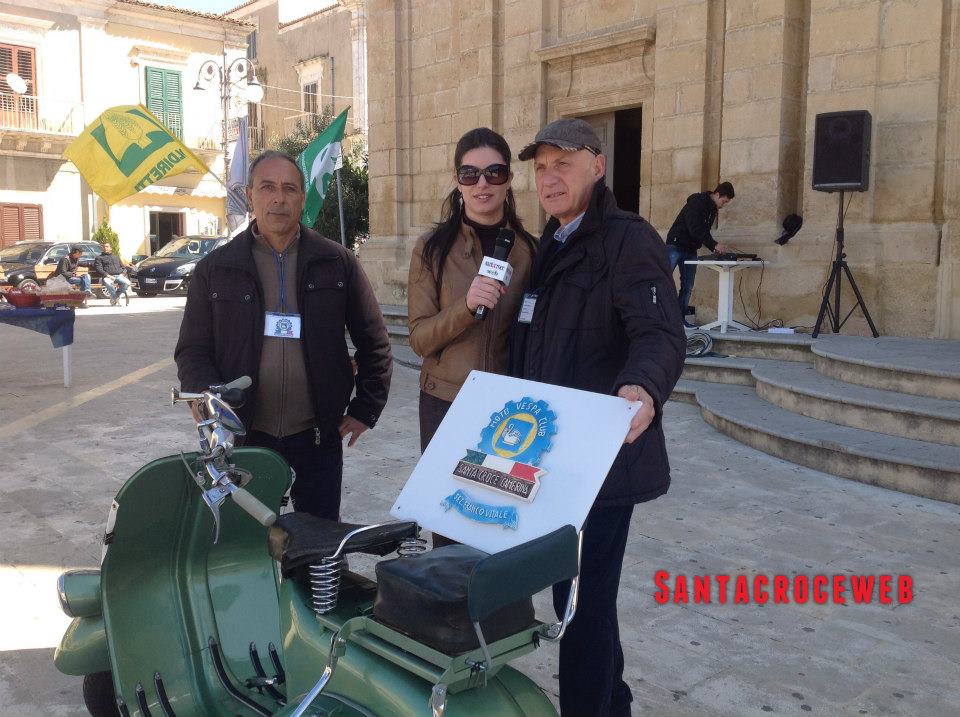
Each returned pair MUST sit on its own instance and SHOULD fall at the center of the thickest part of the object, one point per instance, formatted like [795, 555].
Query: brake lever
[213, 498]
[223, 486]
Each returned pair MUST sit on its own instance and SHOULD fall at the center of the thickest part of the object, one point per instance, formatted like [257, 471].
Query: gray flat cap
[570, 134]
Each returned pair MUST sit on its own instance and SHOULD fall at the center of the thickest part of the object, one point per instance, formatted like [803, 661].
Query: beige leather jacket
[442, 329]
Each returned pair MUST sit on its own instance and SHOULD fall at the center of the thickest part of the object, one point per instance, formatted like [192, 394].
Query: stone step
[922, 367]
[685, 391]
[797, 387]
[395, 317]
[405, 356]
[394, 314]
[402, 354]
[761, 345]
[398, 334]
[722, 369]
[931, 470]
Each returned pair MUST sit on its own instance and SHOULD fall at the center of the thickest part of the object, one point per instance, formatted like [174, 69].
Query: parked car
[168, 271]
[28, 264]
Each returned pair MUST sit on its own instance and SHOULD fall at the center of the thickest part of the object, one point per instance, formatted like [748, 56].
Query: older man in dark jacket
[600, 314]
[272, 304]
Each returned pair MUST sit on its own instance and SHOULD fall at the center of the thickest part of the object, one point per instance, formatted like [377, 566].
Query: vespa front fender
[83, 649]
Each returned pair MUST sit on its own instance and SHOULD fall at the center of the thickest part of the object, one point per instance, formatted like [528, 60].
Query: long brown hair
[437, 247]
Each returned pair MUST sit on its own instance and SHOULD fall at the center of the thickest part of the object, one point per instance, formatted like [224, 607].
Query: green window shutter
[174, 101]
[165, 97]
[154, 80]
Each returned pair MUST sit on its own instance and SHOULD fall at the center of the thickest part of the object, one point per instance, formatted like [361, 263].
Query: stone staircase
[882, 411]
[395, 316]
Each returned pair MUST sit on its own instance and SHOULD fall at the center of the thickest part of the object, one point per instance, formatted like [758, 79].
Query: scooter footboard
[388, 674]
[189, 622]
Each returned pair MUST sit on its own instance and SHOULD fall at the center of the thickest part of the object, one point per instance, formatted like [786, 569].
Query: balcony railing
[30, 113]
[306, 120]
[211, 139]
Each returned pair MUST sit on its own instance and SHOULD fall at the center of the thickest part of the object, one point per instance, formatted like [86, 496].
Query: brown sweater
[283, 394]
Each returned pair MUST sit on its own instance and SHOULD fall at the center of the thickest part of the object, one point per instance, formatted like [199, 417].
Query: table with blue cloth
[55, 323]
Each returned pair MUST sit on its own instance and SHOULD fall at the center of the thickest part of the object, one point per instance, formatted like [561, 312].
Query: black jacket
[607, 315]
[66, 267]
[221, 334]
[691, 228]
[107, 265]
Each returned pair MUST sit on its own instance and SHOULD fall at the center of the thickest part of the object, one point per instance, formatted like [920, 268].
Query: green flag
[317, 163]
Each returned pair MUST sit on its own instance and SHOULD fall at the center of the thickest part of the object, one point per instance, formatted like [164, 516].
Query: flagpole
[343, 231]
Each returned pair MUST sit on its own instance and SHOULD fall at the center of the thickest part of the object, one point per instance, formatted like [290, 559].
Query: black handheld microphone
[498, 268]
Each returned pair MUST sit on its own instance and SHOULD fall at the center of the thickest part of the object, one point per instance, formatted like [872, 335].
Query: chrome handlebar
[218, 428]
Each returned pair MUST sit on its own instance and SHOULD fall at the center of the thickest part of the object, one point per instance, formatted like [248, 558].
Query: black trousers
[432, 411]
[317, 460]
[591, 657]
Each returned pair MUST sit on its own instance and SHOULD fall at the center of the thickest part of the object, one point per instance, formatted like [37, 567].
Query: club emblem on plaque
[505, 461]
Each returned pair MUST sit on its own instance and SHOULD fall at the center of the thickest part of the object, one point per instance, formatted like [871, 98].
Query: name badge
[282, 326]
[526, 308]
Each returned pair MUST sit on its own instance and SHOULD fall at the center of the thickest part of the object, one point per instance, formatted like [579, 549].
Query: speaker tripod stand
[839, 269]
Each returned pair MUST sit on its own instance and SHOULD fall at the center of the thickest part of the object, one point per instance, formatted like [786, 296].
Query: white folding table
[726, 270]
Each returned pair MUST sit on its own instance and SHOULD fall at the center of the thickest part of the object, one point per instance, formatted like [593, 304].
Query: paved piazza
[731, 511]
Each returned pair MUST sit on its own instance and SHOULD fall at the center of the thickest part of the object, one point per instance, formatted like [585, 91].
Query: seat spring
[412, 546]
[325, 584]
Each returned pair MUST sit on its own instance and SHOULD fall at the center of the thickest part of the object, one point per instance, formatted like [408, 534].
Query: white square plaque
[514, 460]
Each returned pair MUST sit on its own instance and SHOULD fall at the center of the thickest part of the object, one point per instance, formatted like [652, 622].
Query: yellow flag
[126, 149]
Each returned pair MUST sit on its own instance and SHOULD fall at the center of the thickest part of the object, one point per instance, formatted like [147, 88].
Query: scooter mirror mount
[218, 428]
[217, 422]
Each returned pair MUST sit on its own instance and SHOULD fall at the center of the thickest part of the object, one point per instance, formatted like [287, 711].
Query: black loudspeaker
[841, 151]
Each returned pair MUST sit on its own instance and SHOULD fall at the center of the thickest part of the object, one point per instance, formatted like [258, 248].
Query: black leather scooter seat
[299, 539]
[426, 597]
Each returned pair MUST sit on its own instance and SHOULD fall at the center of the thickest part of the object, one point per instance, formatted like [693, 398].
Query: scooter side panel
[143, 611]
[83, 648]
[159, 608]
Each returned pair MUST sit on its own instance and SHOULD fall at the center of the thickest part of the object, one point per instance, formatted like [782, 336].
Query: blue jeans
[688, 273]
[83, 280]
[110, 282]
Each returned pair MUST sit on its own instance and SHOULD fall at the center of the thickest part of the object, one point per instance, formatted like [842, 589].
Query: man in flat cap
[600, 314]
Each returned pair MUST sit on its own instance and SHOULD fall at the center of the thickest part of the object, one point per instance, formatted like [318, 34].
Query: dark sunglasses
[496, 174]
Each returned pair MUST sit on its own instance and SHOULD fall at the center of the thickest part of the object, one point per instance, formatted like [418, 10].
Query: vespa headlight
[185, 269]
[79, 592]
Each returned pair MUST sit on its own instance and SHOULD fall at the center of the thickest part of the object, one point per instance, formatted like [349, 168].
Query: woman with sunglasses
[444, 289]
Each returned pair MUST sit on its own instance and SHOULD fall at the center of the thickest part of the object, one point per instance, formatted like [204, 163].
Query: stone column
[679, 101]
[761, 148]
[526, 30]
[948, 194]
[358, 45]
[884, 57]
[91, 35]
[430, 79]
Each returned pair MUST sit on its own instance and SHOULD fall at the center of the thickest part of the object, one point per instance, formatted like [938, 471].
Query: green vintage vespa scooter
[197, 610]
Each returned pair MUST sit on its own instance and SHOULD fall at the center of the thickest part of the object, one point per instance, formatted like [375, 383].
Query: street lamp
[223, 72]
